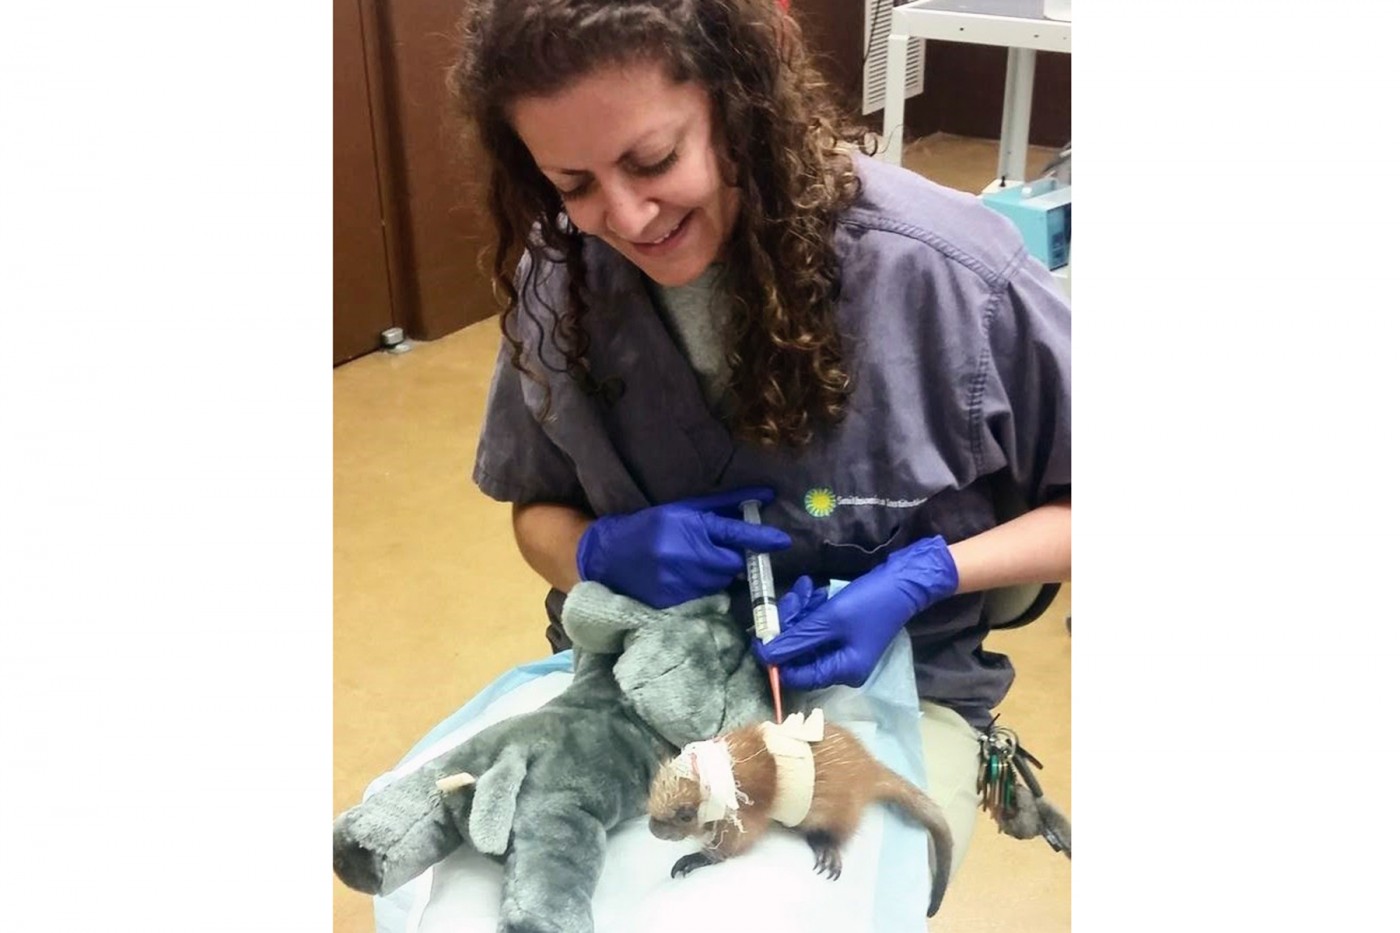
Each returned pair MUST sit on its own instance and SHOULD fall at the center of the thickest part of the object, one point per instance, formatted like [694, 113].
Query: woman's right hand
[672, 553]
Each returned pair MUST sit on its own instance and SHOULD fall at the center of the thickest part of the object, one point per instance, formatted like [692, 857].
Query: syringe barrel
[763, 596]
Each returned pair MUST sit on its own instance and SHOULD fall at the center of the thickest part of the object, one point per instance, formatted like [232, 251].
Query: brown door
[362, 307]
[441, 225]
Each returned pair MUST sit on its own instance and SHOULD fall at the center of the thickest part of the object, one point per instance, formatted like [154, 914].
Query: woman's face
[632, 154]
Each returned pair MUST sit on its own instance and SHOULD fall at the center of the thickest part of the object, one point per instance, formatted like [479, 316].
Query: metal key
[998, 779]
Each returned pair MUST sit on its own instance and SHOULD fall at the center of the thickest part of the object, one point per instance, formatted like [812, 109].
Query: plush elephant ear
[598, 620]
[493, 802]
[747, 696]
[673, 673]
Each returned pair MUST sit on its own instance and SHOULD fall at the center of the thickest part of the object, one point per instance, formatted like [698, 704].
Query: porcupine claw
[688, 863]
[828, 854]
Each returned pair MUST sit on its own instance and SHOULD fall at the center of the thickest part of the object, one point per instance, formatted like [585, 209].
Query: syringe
[763, 597]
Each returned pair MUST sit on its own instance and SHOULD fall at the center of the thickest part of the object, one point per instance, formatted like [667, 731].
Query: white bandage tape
[709, 763]
[790, 744]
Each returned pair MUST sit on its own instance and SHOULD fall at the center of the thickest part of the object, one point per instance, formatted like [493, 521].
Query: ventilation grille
[877, 35]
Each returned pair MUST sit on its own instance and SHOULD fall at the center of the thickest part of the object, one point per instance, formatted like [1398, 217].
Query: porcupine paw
[688, 863]
[828, 853]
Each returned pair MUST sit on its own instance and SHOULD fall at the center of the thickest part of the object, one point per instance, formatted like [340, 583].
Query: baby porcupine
[822, 795]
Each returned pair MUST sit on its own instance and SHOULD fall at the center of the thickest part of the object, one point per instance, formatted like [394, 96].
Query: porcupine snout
[668, 831]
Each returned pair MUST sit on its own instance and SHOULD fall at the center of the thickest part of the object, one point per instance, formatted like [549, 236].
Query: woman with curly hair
[713, 293]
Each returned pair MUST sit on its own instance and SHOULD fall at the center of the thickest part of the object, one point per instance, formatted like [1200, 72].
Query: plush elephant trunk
[380, 847]
[355, 865]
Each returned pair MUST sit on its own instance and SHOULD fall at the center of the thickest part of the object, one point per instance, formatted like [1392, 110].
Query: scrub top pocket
[848, 559]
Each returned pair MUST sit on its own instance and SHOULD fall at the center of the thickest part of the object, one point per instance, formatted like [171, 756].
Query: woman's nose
[629, 212]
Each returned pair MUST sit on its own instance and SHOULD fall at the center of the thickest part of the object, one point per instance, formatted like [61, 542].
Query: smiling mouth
[664, 237]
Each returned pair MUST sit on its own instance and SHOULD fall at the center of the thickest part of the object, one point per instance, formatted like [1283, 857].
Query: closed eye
[574, 192]
[657, 168]
[644, 171]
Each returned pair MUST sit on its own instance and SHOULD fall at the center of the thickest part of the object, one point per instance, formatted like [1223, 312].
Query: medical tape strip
[708, 762]
[790, 744]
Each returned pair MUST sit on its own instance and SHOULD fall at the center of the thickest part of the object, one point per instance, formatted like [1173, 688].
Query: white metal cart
[1017, 25]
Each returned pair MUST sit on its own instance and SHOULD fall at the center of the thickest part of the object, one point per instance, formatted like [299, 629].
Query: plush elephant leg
[551, 871]
[393, 836]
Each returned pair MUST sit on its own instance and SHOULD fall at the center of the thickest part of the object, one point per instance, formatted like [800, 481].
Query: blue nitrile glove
[672, 553]
[839, 639]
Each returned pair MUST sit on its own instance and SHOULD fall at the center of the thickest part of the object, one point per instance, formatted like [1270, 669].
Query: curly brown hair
[785, 145]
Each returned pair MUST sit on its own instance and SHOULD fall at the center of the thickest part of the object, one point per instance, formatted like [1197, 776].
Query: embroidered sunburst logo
[819, 501]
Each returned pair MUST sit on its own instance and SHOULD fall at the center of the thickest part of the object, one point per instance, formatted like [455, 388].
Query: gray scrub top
[958, 344]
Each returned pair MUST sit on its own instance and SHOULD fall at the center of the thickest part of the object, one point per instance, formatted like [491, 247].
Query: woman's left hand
[839, 639]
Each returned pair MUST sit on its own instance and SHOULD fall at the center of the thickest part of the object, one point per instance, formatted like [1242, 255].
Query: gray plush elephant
[551, 783]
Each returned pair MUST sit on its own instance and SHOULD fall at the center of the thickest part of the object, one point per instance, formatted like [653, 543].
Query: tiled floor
[432, 601]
